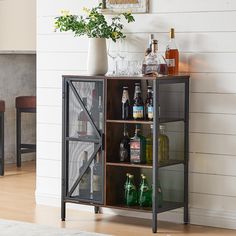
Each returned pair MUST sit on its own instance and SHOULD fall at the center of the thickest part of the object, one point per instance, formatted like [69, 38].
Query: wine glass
[112, 52]
[123, 53]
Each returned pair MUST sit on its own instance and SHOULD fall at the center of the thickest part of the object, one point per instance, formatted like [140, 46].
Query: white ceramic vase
[97, 57]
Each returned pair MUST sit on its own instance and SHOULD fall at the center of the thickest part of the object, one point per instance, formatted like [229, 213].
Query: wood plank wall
[206, 35]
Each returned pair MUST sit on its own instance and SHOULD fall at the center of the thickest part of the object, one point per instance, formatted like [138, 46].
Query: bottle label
[135, 152]
[137, 112]
[150, 112]
[170, 62]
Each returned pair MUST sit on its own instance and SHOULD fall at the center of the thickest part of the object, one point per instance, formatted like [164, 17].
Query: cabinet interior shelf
[162, 120]
[167, 206]
[146, 166]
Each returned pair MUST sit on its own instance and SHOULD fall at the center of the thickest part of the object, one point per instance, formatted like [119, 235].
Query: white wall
[206, 32]
[17, 25]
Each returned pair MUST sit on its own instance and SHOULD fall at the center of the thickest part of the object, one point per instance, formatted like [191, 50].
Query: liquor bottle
[149, 104]
[85, 183]
[82, 120]
[145, 194]
[163, 148]
[149, 48]
[138, 148]
[125, 147]
[131, 194]
[155, 62]
[138, 107]
[125, 104]
[149, 146]
[125, 187]
[97, 178]
[172, 55]
[100, 114]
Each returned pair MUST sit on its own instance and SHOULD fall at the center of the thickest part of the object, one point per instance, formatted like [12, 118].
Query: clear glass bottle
[125, 104]
[145, 193]
[82, 120]
[100, 114]
[155, 62]
[163, 148]
[172, 55]
[97, 177]
[138, 107]
[125, 146]
[149, 104]
[149, 146]
[138, 148]
[85, 183]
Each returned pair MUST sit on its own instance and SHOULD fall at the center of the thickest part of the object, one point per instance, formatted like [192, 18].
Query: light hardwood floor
[17, 202]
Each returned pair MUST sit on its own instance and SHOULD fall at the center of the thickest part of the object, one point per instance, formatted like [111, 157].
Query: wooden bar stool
[24, 104]
[2, 110]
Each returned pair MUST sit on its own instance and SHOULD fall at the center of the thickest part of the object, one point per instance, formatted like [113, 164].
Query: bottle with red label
[172, 55]
[138, 148]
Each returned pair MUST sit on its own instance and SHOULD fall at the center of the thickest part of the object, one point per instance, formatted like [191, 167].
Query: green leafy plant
[94, 25]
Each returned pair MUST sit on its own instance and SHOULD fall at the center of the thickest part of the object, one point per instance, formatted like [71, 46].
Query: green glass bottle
[159, 194]
[125, 187]
[149, 143]
[138, 148]
[163, 141]
[131, 195]
[145, 194]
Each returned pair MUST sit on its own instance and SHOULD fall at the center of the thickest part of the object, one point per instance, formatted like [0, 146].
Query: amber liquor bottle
[172, 55]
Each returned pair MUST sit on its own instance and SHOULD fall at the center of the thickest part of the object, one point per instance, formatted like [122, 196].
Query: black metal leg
[63, 210]
[186, 153]
[96, 209]
[18, 138]
[2, 143]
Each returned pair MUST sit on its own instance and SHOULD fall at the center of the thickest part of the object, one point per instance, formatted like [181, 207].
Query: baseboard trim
[198, 216]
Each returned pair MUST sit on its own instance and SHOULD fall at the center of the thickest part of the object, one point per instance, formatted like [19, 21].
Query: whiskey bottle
[155, 62]
[138, 107]
[125, 104]
[138, 148]
[82, 120]
[149, 146]
[149, 104]
[163, 148]
[97, 178]
[172, 55]
[131, 193]
[125, 147]
[85, 183]
[145, 194]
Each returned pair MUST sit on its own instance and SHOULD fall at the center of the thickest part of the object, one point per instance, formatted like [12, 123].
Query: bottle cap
[137, 84]
[125, 87]
[154, 41]
[172, 33]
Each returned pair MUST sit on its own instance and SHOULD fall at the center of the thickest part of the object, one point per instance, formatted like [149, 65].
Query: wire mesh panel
[85, 127]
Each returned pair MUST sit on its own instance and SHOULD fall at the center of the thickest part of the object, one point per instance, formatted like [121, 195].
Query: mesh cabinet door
[83, 156]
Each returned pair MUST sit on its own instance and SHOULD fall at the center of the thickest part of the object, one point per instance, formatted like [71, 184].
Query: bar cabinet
[93, 128]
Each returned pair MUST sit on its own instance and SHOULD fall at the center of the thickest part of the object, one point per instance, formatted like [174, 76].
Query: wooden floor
[17, 190]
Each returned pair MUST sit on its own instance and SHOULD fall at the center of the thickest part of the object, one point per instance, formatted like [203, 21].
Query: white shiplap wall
[206, 33]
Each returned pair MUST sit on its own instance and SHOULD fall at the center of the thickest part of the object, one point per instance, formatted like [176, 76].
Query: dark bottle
[125, 147]
[145, 193]
[149, 104]
[97, 178]
[138, 148]
[125, 104]
[159, 194]
[85, 183]
[138, 107]
[82, 120]
[131, 194]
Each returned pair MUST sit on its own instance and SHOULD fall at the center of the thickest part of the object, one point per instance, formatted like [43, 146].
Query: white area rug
[17, 228]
